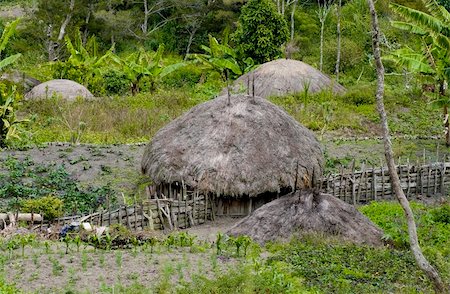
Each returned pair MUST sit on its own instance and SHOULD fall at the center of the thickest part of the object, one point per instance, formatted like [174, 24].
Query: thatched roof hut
[67, 89]
[284, 76]
[308, 212]
[243, 149]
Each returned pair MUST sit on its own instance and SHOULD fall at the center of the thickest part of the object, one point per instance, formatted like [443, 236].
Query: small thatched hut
[308, 212]
[67, 89]
[239, 155]
[284, 76]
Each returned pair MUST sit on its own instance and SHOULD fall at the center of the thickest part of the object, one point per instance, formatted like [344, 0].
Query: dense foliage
[261, 31]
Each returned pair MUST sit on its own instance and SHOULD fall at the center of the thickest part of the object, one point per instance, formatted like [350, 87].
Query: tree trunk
[62, 29]
[422, 262]
[50, 44]
[338, 29]
[146, 14]
[446, 122]
[191, 38]
[86, 22]
[293, 19]
[322, 24]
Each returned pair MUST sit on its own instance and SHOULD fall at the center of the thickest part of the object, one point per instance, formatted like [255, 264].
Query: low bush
[360, 95]
[116, 82]
[49, 206]
[432, 228]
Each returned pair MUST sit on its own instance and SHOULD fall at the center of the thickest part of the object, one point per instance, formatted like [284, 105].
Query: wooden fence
[354, 187]
[371, 184]
[156, 214]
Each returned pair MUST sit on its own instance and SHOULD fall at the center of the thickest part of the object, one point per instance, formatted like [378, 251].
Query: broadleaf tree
[261, 31]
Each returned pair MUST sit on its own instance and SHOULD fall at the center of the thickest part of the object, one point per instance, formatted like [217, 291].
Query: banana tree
[223, 59]
[433, 60]
[84, 62]
[9, 123]
[142, 64]
[7, 33]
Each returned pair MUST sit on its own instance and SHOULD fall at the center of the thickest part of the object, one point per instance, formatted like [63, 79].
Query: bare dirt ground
[91, 271]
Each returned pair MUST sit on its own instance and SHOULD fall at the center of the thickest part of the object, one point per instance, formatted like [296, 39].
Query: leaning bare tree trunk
[53, 47]
[422, 262]
[62, 29]
[338, 28]
[191, 38]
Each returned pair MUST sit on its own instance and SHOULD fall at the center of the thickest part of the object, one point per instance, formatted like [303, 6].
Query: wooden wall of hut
[241, 206]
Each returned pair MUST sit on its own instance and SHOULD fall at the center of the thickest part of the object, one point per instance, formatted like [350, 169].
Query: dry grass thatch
[308, 212]
[246, 148]
[284, 76]
[68, 90]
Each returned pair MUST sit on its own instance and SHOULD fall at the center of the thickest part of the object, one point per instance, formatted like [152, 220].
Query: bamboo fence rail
[371, 184]
[156, 214]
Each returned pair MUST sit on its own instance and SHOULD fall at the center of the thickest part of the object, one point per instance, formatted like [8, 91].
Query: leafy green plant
[85, 64]
[220, 242]
[49, 206]
[25, 240]
[11, 245]
[6, 35]
[26, 180]
[261, 30]
[170, 241]
[433, 58]
[11, 127]
[223, 59]
[152, 242]
[143, 65]
[441, 214]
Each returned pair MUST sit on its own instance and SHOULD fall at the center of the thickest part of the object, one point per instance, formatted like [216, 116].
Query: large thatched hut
[237, 152]
[284, 76]
[67, 89]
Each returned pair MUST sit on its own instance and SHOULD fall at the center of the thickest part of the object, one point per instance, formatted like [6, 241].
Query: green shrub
[185, 76]
[432, 228]
[441, 214]
[360, 95]
[330, 266]
[50, 206]
[6, 288]
[116, 82]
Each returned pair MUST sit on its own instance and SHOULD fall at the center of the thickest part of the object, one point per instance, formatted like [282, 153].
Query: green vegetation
[137, 58]
[48, 189]
[261, 30]
[313, 264]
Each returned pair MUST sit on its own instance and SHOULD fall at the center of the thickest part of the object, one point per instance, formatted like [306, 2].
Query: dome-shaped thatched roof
[246, 148]
[67, 89]
[284, 76]
[307, 212]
